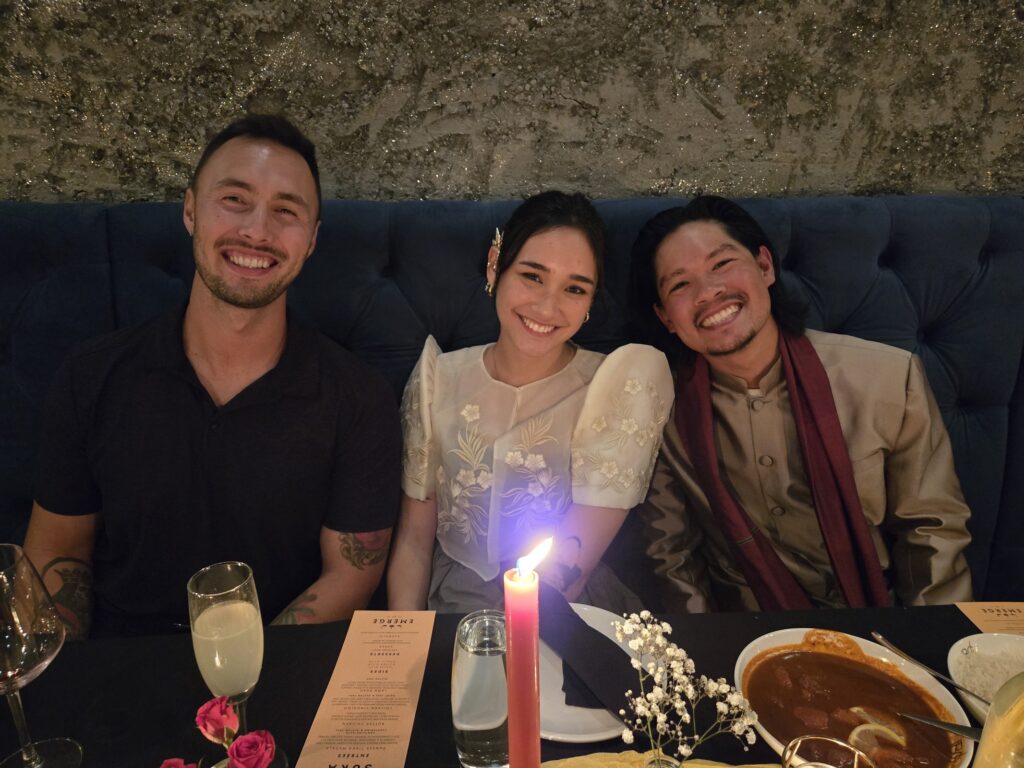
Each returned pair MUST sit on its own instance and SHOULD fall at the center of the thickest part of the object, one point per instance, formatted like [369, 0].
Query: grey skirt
[454, 588]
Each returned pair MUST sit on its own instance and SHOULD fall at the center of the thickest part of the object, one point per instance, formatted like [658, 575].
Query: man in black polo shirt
[223, 430]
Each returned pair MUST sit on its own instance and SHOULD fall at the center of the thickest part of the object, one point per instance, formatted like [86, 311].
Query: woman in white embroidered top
[530, 436]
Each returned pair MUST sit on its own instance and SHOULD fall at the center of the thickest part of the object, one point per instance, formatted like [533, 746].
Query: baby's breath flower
[670, 691]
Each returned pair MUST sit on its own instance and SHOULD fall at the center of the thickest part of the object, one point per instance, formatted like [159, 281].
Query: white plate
[918, 675]
[967, 650]
[559, 721]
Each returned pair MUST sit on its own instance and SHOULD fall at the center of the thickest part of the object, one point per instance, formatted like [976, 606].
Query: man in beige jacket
[801, 468]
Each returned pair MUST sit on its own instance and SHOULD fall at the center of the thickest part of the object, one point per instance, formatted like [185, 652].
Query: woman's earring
[586, 317]
[489, 289]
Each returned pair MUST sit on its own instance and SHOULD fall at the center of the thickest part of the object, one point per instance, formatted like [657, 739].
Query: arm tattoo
[73, 598]
[300, 606]
[363, 549]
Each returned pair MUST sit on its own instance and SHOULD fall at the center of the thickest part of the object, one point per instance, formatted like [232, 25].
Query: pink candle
[521, 632]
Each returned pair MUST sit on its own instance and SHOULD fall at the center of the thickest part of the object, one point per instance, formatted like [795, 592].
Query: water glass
[480, 691]
[823, 752]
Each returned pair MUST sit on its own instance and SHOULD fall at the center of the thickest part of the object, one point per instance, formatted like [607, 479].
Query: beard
[253, 297]
[736, 346]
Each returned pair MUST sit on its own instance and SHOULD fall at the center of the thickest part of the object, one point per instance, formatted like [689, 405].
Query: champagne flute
[227, 631]
[31, 634]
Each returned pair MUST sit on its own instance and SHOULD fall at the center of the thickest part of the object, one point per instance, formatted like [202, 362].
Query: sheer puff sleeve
[616, 440]
[419, 450]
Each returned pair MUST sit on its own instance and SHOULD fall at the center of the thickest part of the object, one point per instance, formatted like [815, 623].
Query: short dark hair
[789, 311]
[273, 128]
[550, 210]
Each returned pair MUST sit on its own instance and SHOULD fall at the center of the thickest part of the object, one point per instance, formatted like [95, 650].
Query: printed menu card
[365, 717]
[995, 617]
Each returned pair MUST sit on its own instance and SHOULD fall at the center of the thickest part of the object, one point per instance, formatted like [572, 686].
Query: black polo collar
[297, 373]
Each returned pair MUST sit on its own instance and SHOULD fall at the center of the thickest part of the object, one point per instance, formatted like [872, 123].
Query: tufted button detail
[766, 461]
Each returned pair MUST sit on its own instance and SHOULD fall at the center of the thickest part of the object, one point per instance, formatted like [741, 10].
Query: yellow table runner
[632, 760]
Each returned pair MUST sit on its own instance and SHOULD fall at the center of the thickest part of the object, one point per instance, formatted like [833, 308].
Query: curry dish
[826, 685]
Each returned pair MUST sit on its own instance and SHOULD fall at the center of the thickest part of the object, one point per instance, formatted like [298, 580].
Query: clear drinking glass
[227, 631]
[823, 752]
[480, 691]
[31, 634]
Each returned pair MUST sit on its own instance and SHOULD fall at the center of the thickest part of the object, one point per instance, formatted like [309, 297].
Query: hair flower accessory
[217, 720]
[666, 705]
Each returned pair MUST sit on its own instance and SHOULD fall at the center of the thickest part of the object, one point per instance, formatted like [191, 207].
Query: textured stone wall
[113, 99]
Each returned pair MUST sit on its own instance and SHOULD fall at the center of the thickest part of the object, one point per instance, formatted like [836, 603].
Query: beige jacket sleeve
[926, 514]
[675, 537]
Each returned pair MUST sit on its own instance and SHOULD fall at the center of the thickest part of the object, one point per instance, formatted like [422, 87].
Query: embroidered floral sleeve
[417, 432]
[618, 434]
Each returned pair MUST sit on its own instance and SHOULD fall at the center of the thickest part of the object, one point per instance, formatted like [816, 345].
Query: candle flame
[527, 563]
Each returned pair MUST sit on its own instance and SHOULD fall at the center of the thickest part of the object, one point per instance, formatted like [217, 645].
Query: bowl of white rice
[983, 663]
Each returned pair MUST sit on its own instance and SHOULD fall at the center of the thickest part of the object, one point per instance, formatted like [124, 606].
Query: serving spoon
[974, 734]
[882, 641]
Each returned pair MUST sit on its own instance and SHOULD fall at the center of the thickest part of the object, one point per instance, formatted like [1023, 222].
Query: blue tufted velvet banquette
[942, 276]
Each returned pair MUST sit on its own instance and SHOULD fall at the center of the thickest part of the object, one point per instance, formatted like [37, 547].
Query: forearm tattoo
[73, 595]
[301, 606]
[363, 549]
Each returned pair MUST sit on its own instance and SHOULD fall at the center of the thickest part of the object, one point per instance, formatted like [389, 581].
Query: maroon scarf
[829, 472]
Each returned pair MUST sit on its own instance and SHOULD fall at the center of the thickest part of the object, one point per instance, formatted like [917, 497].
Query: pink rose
[253, 750]
[176, 762]
[217, 720]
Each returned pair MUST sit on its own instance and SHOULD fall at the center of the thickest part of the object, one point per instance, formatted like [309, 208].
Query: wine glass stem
[240, 706]
[30, 758]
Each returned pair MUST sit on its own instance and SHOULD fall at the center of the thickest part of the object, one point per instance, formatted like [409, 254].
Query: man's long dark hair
[789, 311]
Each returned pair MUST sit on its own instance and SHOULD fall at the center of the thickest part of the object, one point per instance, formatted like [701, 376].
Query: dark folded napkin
[595, 670]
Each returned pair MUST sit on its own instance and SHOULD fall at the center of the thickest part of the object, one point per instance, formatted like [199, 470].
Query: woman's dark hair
[273, 128]
[550, 210]
[789, 311]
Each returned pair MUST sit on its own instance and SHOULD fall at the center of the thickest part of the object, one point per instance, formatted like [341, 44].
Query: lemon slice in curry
[870, 736]
[872, 715]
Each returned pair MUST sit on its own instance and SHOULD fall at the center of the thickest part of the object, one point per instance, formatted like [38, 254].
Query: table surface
[131, 702]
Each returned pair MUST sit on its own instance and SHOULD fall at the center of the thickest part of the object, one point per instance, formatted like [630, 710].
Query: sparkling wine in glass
[227, 631]
[31, 634]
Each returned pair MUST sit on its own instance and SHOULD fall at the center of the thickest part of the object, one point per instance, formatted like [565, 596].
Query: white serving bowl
[967, 652]
[795, 636]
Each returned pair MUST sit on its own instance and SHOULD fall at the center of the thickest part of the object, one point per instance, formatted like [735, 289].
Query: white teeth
[537, 327]
[249, 262]
[720, 316]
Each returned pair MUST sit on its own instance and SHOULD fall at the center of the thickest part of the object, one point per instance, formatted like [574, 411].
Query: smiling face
[253, 217]
[543, 297]
[713, 295]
